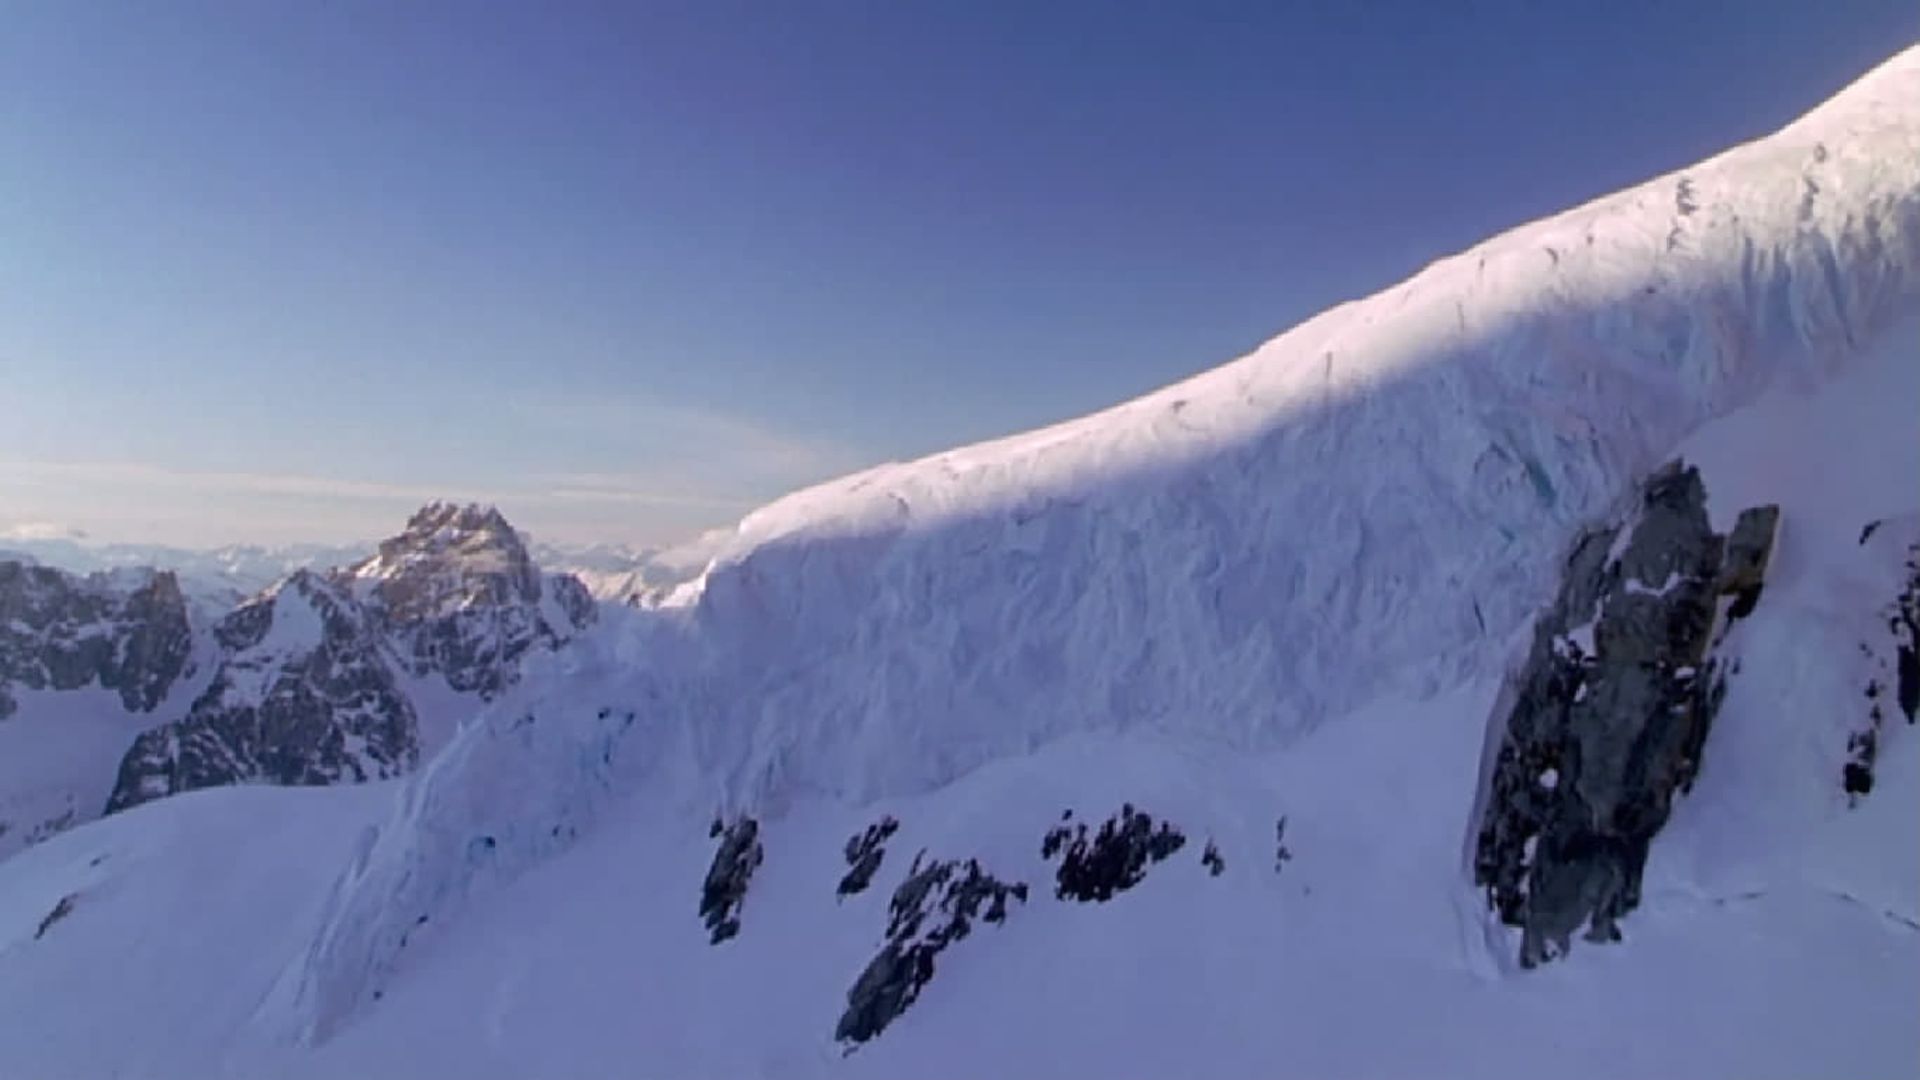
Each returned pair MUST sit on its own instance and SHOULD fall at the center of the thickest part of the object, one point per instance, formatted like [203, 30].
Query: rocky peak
[62, 632]
[458, 594]
[449, 557]
[313, 681]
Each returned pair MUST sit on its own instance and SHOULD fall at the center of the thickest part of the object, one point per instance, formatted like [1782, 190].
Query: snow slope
[1287, 586]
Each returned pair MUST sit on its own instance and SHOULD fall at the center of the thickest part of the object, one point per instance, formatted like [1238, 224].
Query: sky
[281, 271]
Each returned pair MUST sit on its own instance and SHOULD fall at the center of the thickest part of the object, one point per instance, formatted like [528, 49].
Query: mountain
[86, 663]
[222, 577]
[219, 577]
[321, 678]
[1504, 674]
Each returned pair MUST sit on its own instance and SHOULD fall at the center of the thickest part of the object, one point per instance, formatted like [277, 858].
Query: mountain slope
[86, 665]
[1274, 607]
[328, 679]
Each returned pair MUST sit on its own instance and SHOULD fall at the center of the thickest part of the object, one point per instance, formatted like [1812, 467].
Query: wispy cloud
[227, 483]
[578, 466]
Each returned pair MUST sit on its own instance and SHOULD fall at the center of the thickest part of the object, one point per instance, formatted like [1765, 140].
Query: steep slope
[351, 676]
[85, 665]
[1274, 607]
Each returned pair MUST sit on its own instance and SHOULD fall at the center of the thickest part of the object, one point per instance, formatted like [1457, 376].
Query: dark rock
[1611, 712]
[309, 689]
[933, 908]
[1898, 668]
[459, 596]
[1749, 549]
[60, 911]
[725, 887]
[1212, 860]
[314, 704]
[1114, 860]
[864, 852]
[1282, 855]
[62, 632]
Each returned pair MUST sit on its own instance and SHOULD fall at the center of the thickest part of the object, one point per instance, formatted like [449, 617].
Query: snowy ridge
[1370, 504]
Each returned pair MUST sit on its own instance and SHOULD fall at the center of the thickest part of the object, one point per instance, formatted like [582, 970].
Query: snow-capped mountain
[1566, 588]
[64, 634]
[460, 596]
[219, 577]
[117, 687]
[325, 679]
[86, 663]
[222, 577]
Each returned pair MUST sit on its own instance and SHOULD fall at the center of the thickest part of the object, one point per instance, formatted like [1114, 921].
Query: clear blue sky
[282, 270]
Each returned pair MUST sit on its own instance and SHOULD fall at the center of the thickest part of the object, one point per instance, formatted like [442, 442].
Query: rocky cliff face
[1611, 711]
[458, 595]
[59, 632]
[312, 684]
[302, 696]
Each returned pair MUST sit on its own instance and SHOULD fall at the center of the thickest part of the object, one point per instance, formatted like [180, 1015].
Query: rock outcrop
[1610, 712]
[1112, 860]
[1893, 682]
[61, 632]
[725, 887]
[457, 595]
[864, 852]
[303, 696]
[933, 908]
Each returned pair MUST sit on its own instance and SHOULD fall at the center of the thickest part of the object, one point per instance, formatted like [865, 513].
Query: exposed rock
[1212, 860]
[62, 632]
[60, 911]
[1895, 682]
[725, 887]
[458, 595]
[1611, 711]
[1749, 548]
[864, 852]
[933, 908]
[1114, 860]
[1282, 855]
[312, 684]
[303, 697]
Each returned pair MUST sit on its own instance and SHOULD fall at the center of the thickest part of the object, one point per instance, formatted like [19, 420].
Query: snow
[1636, 587]
[60, 752]
[297, 626]
[251, 862]
[1290, 586]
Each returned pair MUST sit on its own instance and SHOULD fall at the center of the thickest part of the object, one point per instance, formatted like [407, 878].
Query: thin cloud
[236, 483]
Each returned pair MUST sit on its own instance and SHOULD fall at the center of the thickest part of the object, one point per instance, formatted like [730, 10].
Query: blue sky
[275, 271]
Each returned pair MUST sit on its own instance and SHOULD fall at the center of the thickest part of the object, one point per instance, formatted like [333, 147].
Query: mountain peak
[440, 524]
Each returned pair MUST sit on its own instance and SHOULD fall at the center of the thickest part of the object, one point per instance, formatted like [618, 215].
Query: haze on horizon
[274, 274]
